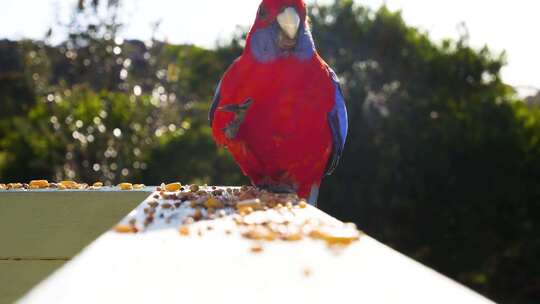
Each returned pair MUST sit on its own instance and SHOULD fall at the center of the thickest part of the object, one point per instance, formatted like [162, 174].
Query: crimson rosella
[278, 108]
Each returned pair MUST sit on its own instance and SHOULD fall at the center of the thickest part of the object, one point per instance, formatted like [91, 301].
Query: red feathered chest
[283, 136]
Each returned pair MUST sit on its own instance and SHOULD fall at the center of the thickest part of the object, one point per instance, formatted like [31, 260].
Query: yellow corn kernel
[302, 204]
[253, 203]
[69, 184]
[256, 248]
[293, 237]
[97, 185]
[120, 228]
[39, 184]
[337, 235]
[172, 187]
[244, 210]
[125, 186]
[14, 186]
[213, 203]
[260, 233]
[184, 230]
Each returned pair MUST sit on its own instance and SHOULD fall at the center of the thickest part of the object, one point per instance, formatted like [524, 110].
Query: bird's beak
[289, 21]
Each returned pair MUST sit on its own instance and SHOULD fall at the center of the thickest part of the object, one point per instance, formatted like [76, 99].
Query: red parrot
[278, 108]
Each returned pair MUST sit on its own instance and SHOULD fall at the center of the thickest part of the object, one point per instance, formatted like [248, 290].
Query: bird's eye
[262, 13]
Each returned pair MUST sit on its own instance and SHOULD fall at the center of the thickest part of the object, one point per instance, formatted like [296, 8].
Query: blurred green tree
[442, 161]
[440, 154]
[101, 108]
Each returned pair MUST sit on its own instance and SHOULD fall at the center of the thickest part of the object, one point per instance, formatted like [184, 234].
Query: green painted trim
[40, 230]
[16, 277]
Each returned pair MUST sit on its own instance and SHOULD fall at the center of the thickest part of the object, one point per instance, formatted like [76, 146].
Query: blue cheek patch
[264, 46]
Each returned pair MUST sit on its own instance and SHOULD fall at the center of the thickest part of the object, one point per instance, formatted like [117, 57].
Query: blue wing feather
[215, 102]
[217, 95]
[337, 119]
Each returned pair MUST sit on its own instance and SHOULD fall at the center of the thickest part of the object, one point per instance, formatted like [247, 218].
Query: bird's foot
[278, 188]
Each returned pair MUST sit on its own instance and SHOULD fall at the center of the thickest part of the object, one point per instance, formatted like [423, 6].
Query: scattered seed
[343, 235]
[256, 248]
[253, 203]
[245, 210]
[149, 219]
[213, 203]
[125, 229]
[169, 196]
[293, 237]
[97, 185]
[261, 216]
[125, 186]
[67, 184]
[260, 233]
[184, 230]
[197, 215]
[173, 187]
[14, 186]
[39, 184]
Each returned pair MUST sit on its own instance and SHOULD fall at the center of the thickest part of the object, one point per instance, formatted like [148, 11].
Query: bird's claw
[237, 107]
[239, 110]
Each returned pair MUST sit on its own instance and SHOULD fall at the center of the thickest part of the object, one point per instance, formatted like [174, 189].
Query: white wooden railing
[171, 260]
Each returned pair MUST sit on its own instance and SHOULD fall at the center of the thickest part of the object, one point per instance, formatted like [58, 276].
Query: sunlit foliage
[442, 161]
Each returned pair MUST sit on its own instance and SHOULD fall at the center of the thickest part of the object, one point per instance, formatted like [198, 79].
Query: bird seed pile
[253, 213]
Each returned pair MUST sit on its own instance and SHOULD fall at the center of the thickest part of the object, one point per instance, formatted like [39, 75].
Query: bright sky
[510, 25]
